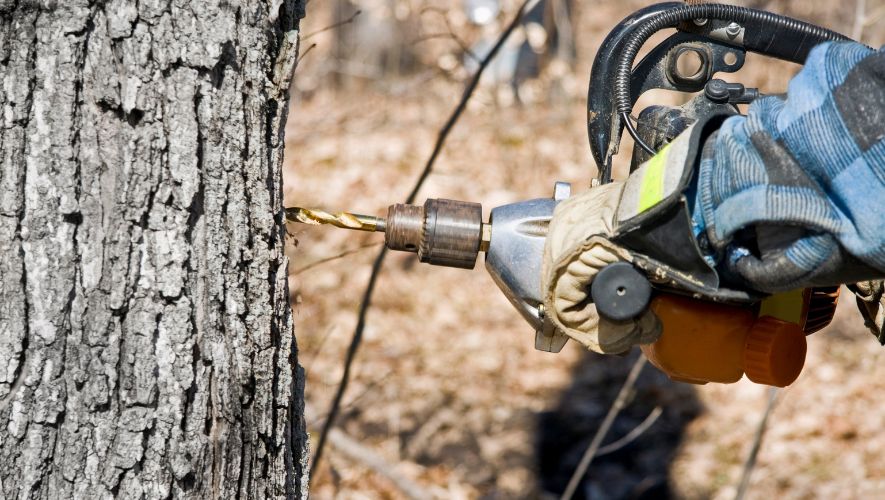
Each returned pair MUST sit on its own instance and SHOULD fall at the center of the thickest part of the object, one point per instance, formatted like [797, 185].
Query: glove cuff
[576, 249]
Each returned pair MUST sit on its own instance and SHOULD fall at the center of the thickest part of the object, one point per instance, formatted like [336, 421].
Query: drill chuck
[442, 232]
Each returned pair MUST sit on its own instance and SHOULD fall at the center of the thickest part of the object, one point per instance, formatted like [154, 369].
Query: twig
[616, 408]
[429, 428]
[632, 435]
[450, 35]
[333, 26]
[345, 253]
[356, 340]
[348, 362]
[360, 453]
[320, 420]
[468, 93]
[308, 364]
[750, 463]
[306, 51]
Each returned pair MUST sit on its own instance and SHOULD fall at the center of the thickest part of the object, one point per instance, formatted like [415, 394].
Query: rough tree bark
[146, 345]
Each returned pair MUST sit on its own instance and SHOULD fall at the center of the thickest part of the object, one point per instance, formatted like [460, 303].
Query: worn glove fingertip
[650, 328]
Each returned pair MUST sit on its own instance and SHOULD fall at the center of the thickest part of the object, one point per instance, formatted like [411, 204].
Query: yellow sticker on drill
[785, 306]
[651, 192]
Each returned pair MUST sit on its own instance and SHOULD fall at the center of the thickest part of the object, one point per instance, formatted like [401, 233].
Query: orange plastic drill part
[708, 342]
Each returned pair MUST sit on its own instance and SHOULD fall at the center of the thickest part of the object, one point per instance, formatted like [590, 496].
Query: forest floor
[447, 387]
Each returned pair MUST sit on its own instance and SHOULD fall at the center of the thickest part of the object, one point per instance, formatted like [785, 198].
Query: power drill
[711, 333]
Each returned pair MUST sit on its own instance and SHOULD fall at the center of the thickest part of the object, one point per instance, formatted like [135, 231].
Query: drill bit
[344, 220]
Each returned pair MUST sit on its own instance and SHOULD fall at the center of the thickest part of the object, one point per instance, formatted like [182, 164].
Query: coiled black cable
[809, 35]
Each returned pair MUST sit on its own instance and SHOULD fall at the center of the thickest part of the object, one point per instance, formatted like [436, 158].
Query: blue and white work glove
[790, 195]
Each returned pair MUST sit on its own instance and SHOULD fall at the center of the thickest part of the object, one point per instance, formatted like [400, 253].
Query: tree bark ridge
[144, 324]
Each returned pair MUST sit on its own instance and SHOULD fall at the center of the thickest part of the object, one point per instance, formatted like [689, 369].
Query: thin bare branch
[367, 457]
[372, 385]
[616, 407]
[363, 455]
[308, 364]
[326, 260]
[333, 26]
[356, 340]
[750, 463]
[450, 32]
[306, 51]
[632, 435]
[452, 36]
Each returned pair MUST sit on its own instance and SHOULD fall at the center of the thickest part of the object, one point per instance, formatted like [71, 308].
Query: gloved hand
[871, 302]
[576, 249]
[803, 177]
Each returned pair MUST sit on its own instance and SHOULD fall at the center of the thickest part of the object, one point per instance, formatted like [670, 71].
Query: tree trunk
[146, 345]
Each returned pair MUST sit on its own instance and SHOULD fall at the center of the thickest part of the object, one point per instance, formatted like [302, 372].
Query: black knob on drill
[720, 91]
[620, 292]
